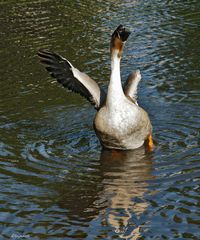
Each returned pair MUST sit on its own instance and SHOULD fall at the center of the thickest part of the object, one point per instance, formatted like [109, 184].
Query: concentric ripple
[56, 182]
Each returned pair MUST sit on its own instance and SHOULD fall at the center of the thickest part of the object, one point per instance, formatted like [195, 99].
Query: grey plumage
[119, 122]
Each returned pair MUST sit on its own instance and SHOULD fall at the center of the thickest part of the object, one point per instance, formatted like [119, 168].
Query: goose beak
[121, 33]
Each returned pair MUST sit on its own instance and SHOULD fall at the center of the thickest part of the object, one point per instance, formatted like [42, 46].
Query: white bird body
[119, 122]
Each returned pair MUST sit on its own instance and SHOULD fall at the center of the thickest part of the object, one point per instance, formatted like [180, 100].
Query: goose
[120, 123]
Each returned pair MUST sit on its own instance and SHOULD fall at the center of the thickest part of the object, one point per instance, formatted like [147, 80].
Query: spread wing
[131, 84]
[71, 78]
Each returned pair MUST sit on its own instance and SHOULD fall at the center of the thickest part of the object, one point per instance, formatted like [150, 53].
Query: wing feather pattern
[71, 78]
[131, 84]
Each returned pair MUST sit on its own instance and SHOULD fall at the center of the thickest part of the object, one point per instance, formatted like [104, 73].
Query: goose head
[118, 39]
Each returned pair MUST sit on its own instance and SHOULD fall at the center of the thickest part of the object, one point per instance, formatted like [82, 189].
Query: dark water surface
[55, 181]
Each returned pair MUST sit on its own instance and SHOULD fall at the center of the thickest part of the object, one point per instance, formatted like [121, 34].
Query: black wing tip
[45, 53]
[42, 51]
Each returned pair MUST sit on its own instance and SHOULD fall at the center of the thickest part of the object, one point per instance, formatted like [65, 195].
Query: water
[55, 181]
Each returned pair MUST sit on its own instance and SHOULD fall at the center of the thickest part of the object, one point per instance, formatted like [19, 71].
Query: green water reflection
[56, 182]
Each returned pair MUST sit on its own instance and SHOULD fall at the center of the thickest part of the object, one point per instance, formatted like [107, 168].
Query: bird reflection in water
[113, 192]
[125, 175]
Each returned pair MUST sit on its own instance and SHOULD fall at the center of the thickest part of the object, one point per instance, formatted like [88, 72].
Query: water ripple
[56, 183]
